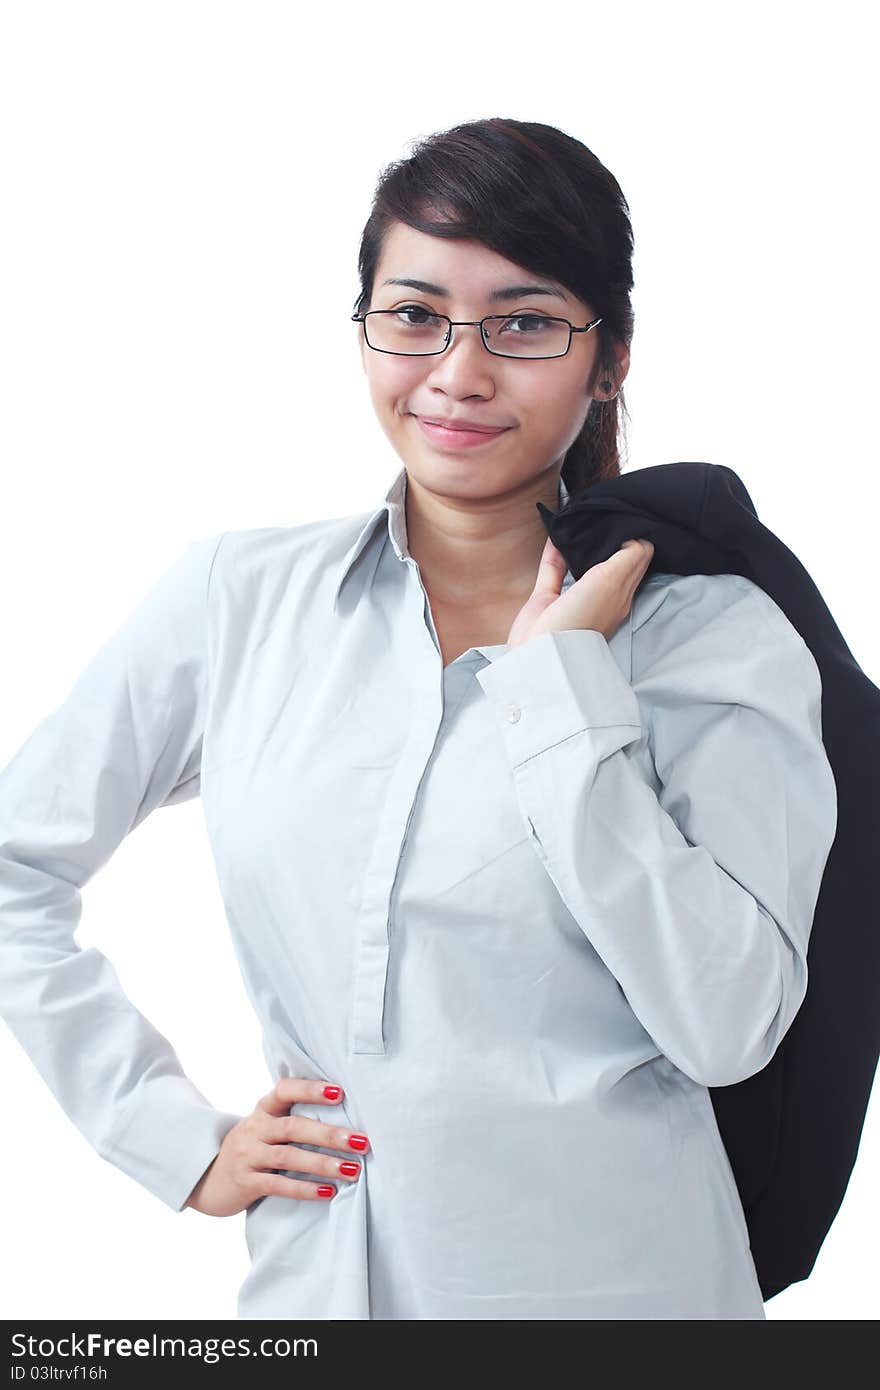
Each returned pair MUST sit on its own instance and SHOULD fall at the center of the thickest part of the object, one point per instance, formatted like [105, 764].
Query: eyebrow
[505, 292]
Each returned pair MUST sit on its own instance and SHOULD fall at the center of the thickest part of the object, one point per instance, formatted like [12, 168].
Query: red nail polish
[332, 1092]
[350, 1170]
[326, 1191]
[358, 1141]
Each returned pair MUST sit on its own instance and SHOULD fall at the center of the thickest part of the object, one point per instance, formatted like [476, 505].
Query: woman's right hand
[241, 1171]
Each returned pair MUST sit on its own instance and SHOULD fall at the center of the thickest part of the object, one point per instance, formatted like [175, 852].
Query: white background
[184, 188]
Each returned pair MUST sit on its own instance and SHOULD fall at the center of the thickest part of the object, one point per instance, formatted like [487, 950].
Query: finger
[552, 569]
[644, 551]
[290, 1089]
[273, 1185]
[637, 548]
[291, 1159]
[303, 1129]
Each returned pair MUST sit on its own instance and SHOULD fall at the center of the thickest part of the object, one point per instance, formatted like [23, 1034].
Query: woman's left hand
[600, 599]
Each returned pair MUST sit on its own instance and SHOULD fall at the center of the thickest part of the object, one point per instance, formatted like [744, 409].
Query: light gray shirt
[526, 909]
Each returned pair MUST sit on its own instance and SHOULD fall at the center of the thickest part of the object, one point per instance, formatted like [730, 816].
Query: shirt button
[513, 713]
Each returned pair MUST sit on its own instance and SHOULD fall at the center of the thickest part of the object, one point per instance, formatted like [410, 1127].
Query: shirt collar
[393, 507]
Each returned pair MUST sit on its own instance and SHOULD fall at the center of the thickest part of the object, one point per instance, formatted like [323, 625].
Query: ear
[621, 352]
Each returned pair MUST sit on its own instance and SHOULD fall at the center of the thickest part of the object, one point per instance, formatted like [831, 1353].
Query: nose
[466, 354]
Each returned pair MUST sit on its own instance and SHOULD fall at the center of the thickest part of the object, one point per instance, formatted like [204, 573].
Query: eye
[417, 309]
[532, 322]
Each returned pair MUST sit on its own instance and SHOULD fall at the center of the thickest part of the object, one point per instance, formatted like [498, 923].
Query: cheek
[392, 382]
[557, 404]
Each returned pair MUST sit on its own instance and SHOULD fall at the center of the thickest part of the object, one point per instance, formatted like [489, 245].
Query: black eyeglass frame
[476, 323]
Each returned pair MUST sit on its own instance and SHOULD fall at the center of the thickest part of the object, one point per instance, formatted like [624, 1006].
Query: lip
[456, 437]
[470, 425]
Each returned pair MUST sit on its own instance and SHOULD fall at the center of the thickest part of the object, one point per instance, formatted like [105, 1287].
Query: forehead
[468, 269]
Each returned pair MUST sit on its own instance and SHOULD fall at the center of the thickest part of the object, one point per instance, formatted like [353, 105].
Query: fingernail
[358, 1141]
[350, 1170]
[326, 1191]
[332, 1092]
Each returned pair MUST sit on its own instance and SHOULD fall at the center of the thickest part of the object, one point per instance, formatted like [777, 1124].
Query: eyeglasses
[505, 335]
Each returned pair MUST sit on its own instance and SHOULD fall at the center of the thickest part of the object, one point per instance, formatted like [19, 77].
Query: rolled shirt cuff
[555, 685]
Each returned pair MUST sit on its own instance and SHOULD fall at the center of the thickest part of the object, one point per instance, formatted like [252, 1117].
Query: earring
[606, 386]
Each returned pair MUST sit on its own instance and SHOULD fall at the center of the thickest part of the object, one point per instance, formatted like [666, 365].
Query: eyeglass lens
[414, 330]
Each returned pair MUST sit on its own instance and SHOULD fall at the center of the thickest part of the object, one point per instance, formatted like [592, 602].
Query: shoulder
[281, 553]
[683, 599]
[725, 620]
[670, 606]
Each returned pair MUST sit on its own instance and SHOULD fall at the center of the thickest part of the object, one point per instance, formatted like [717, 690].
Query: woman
[516, 867]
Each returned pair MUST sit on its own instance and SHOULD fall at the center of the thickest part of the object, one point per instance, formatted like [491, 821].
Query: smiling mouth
[464, 429]
[457, 440]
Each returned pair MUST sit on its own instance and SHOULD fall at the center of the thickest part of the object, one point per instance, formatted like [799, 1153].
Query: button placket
[374, 919]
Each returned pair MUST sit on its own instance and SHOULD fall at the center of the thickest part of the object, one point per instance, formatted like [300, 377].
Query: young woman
[516, 867]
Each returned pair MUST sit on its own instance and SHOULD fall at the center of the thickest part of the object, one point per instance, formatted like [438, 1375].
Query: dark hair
[540, 198]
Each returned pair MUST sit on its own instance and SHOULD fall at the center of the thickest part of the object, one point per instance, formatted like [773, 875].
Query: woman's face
[543, 403]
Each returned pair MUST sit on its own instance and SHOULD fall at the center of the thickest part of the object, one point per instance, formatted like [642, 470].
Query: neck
[482, 551]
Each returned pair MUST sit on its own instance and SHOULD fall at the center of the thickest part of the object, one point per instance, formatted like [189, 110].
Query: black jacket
[792, 1130]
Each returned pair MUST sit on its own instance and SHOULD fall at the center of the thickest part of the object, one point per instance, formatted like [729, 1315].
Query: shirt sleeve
[697, 892]
[126, 740]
